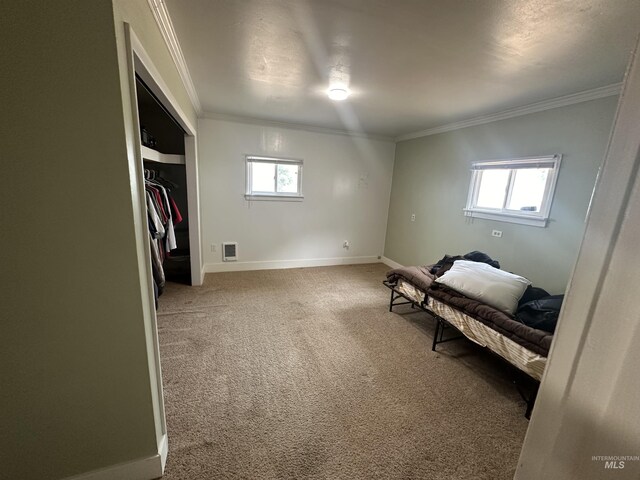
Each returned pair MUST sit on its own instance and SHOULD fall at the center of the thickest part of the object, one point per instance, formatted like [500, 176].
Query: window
[517, 191]
[273, 179]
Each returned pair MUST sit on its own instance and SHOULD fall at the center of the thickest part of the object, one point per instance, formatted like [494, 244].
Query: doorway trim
[139, 62]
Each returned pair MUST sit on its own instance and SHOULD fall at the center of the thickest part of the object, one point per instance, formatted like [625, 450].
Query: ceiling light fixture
[338, 93]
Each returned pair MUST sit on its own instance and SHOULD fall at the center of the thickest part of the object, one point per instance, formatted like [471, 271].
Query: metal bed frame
[438, 337]
[441, 323]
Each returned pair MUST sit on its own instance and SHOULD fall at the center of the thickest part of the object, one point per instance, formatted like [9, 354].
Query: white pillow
[482, 282]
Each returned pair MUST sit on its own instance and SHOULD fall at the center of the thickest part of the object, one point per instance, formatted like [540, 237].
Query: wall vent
[229, 251]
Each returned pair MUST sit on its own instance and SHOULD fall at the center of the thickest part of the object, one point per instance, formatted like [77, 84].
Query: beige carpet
[304, 373]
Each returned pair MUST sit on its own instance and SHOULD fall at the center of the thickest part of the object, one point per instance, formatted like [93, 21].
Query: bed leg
[435, 335]
[391, 301]
[531, 402]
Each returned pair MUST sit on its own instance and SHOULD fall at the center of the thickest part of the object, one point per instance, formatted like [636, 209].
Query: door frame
[580, 412]
[139, 62]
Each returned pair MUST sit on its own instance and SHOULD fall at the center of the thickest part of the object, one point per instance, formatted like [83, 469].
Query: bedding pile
[472, 285]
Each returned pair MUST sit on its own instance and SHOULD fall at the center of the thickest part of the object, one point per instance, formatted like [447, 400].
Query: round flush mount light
[338, 93]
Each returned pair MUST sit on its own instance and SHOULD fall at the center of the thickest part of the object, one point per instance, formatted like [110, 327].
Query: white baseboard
[391, 263]
[278, 264]
[163, 449]
[148, 468]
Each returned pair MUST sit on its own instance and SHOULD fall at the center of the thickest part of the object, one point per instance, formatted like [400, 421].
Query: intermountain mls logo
[615, 462]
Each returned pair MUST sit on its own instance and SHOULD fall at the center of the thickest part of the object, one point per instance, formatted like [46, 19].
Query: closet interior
[163, 153]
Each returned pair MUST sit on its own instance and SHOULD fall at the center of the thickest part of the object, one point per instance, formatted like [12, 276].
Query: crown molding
[294, 126]
[585, 96]
[161, 15]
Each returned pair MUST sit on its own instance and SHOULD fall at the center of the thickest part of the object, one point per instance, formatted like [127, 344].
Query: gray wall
[431, 179]
[75, 387]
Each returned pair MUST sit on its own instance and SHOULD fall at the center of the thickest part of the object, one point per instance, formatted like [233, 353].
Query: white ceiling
[410, 64]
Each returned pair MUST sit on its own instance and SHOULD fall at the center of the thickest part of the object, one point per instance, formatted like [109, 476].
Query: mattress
[534, 340]
[529, 362]
[411, 292]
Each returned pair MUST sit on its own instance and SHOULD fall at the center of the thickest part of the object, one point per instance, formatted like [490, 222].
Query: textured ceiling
[411, 65]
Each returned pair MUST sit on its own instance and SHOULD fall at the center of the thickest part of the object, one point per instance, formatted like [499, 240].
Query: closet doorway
[168, 153]
[165, 178]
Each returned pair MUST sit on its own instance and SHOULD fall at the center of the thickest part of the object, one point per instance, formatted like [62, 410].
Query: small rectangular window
[517, 191]
[269, 178]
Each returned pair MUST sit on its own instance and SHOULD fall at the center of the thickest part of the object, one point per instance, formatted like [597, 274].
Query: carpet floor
[305, 374]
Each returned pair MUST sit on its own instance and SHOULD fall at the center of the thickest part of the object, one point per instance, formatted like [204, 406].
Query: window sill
[507, 217]
[273, 198]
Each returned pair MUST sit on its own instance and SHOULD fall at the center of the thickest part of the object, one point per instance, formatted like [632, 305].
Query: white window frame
[275, 195]
[536, 219]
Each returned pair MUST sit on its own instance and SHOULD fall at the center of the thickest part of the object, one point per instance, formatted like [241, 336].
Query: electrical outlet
[213, 248]
[413, 217]
[346, 244]
[496, 233]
